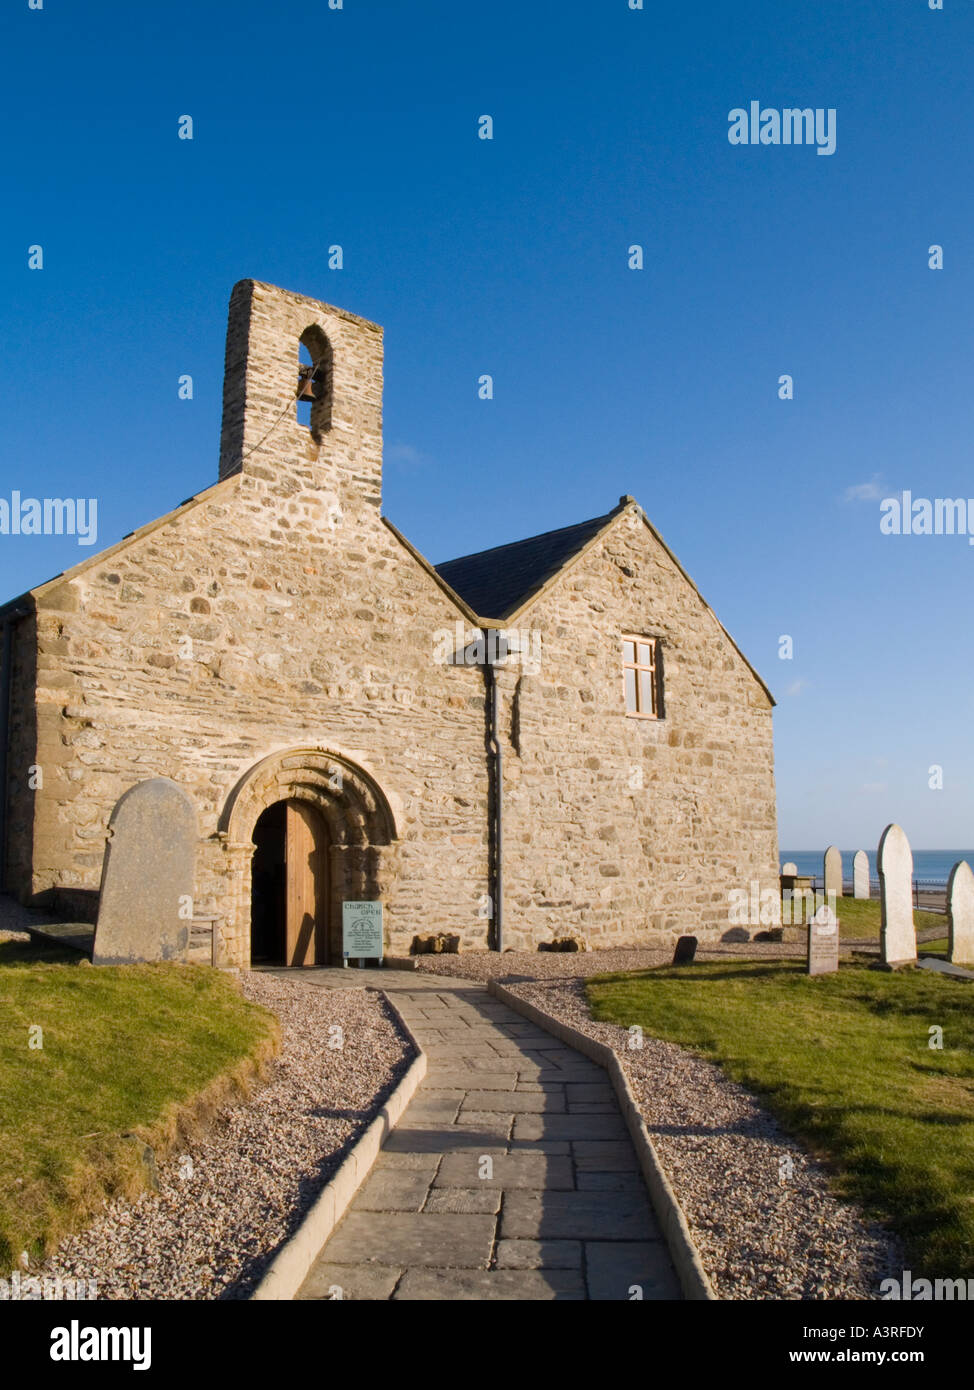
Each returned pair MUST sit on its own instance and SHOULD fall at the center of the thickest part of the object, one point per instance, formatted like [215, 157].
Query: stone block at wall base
[76, 904]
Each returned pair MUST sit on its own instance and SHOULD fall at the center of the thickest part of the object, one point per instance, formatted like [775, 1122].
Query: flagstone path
[511, 1174]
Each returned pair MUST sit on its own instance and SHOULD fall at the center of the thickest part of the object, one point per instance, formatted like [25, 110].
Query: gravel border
[222, 1212]
[512, 967]
[295, 1259]
[761, 1211]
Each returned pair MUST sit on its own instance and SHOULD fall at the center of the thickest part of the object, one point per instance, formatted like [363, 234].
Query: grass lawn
[843, 1061]
[131, 1056]
[860, 917]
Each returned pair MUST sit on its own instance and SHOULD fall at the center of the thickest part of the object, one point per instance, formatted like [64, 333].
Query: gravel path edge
[683, 1249]
[292, 1264]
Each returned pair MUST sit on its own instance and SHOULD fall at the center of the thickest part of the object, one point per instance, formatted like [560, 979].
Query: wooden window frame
[655, 668]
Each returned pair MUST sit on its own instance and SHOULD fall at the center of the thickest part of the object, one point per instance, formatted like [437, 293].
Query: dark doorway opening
[268, 913]
[289, 911]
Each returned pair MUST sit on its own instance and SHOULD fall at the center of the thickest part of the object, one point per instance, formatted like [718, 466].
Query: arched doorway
[346, 816]
[290, 891]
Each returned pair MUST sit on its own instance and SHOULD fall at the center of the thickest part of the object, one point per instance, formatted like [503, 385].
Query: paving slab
[444, 1240]
[479, 1200]
[609, 1182]
[486, 1119]
[628, 1270]
[539, 1254]
[577, 1216]
[580, 1127]
[438, 1107]
[577, 1092]
[369, 1283]
[394, 1189]
[426, 1139]
[604, 1156]
[419, 1162]
[542, 1146]
[559, 1075]
[508, 1171]
[471, 1080]
[517, 1102]
[511, 1285]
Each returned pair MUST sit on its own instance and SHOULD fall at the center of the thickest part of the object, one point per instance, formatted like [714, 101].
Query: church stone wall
[297, 637]
[619, 827]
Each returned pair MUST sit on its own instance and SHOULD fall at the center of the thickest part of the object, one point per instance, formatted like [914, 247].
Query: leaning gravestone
[823, 942]
[960, 914]
[686, 949]
[146, 902]
[789, 868]
[833, 872]
[894, 860]
[860, 874]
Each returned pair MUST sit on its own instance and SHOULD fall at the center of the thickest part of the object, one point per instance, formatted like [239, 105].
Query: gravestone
[960, 914]
[789, 868]
[146, 903]
[944, 967]
[894, 860]
[823, 942]
[833, 871]
[686, 949]
[860, 874]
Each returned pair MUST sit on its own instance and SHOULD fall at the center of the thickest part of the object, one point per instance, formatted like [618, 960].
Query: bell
[306, 383]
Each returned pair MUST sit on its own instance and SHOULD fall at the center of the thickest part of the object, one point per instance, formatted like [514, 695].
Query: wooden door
[307, 885]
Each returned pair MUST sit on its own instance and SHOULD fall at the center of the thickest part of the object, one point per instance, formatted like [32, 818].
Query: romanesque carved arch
[355, 807]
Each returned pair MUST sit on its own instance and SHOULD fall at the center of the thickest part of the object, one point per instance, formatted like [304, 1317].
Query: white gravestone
[860, 874]
[894, 860]
[833, 873]
[789, 868]
[823, 942]
[960, 914]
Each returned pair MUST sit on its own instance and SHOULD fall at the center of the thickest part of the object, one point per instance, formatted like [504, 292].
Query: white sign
[362, 931]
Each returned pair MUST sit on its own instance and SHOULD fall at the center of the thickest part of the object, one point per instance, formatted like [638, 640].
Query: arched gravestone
[833, 872]
[823, 942]
[789, 868]
[860, 874]
[145, 906]
[894, 860]
[960, 914]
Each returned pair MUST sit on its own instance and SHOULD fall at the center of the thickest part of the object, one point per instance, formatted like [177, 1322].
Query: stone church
[547, 738]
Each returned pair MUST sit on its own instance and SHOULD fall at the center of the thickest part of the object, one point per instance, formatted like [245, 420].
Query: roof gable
[498, 582]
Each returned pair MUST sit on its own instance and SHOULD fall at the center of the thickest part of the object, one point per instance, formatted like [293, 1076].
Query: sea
[929, 865]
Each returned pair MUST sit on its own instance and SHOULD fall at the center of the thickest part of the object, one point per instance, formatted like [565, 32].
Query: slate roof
[497, 582]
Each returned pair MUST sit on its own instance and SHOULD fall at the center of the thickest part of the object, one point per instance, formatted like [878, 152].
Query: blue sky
[358, 126]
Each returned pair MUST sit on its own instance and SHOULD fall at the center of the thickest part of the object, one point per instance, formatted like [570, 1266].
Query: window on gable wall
[642, 677]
